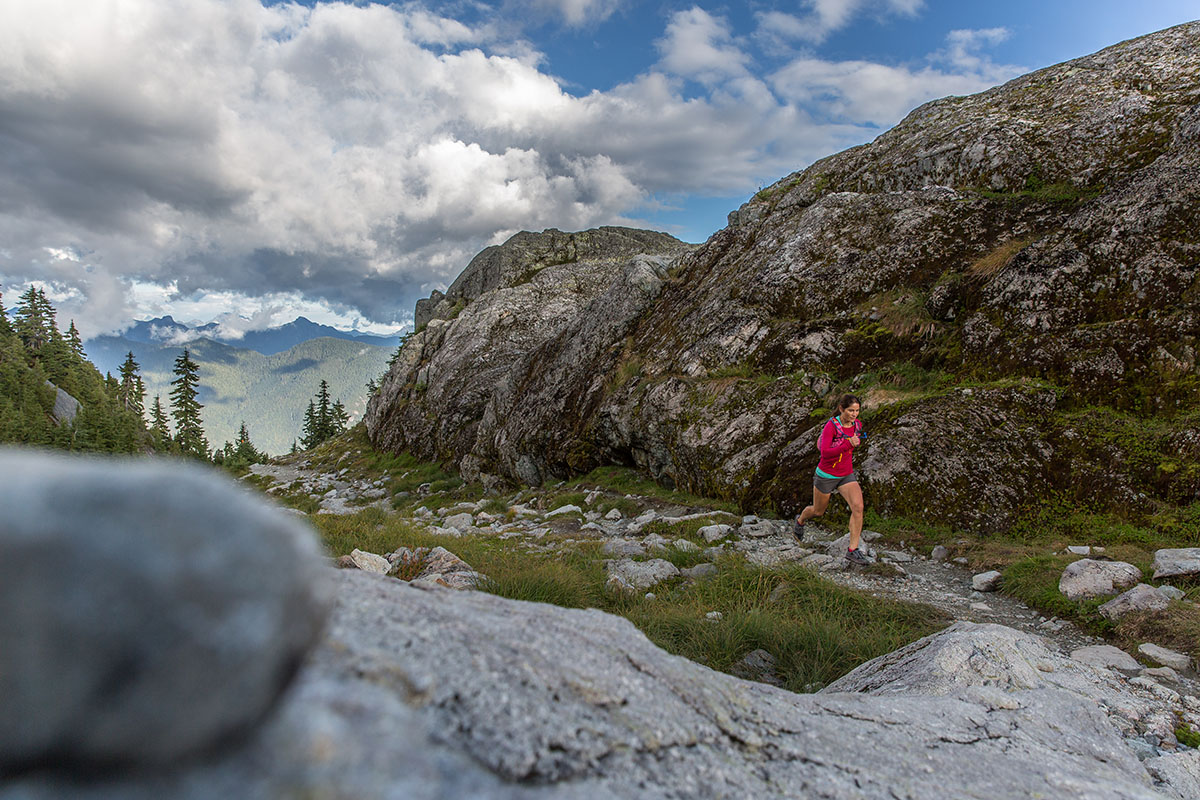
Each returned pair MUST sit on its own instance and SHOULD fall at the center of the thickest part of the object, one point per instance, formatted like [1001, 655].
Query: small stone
[962, 560]
[714, 616]
[1165, 657]
[622, 547]
[1162, 673]
[655, 542]
[939, 553]
[614, 514]
[1142, 597]
[757, 529]
[749, 519]
[460, 522]
[651, 596]
[640, 574]
[1105, 656]
[1170, 592]
[778, 593]
[980, 607]
[699, 571]
[714, 533]
[757, 665]
[1079, 550]
[571, 509]
[369, 562]
[817, 560]
[986, 581]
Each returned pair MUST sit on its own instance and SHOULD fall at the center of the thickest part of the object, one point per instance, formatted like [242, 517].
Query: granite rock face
[149, 611]
[1041, 230]
[559, 703]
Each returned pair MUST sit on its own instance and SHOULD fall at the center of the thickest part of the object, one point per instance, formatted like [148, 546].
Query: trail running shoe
[855, 556]
[797, 530]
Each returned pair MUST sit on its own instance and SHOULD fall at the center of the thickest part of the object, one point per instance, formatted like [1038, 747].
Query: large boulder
[150, 611]
[550, 703]
[1087, 578]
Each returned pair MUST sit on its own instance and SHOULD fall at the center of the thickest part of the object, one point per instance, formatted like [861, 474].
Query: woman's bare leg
[852, 493]
[819, 504]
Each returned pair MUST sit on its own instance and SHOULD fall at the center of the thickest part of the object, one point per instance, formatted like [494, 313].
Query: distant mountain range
[165, 330]
[265, 378]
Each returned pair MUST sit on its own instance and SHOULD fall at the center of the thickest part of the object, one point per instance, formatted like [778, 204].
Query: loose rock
[628, 575]
[1169, 563]
[1165, 657]
[986, 581]
[1087, 578]
[1142, 597]
[1107, 656]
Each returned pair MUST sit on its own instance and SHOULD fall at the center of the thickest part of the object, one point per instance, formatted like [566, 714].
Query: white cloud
[698, 45]
[342, 160]
[880, 94]
[824, 17]
[576, 13]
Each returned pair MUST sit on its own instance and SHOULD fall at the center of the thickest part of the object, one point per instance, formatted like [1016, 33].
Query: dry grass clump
[988, 266]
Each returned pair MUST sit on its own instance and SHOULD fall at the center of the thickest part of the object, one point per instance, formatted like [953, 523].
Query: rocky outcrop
[1037, 238]
[376, 713]
[65, 408]
[431, 693]
[510, 301]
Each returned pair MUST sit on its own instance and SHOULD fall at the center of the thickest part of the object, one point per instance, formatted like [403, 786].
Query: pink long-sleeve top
[837, 455]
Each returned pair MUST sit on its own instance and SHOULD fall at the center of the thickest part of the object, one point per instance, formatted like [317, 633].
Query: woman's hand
[854, 441]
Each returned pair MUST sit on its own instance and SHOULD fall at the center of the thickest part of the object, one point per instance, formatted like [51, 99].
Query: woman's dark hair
[847, 400]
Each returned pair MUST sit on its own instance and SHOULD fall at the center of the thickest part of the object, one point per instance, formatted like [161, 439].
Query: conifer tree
[324, 412]
[339, 418]
[132, 395]
[310, 437]
[31, 323]
[244, 450]
[159, 426]
[5, 325]
[75, 342]
[189, 433]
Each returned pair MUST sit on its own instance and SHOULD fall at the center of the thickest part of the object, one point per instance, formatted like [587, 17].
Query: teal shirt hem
[827, 475]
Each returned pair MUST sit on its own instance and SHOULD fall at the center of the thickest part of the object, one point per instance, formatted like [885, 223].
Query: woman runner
[835, 473]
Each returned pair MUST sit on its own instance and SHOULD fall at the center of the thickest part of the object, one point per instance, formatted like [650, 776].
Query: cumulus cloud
[576, 13]
[698, 45]
[346, 159]
[824, 17]
[881, 94]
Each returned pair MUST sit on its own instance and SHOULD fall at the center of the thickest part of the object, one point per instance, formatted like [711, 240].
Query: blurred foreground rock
[149, 610]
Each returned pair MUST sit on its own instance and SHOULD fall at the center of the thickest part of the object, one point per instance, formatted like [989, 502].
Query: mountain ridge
[1018, 265]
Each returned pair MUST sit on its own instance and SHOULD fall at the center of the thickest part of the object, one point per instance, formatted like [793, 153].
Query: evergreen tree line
[36, 357]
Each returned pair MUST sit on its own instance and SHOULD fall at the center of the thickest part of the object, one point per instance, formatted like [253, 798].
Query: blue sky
[245, 163]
